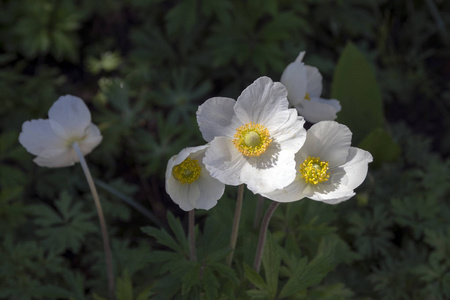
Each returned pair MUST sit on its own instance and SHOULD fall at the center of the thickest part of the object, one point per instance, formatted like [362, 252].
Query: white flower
[188, 183]
[51, 139]
[304, 85]
[328, 169]
[252, 140]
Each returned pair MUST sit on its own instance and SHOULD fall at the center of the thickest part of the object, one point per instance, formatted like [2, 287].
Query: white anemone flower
[304, 85]
[328, 168]
[252, 140]
[189, 184]
[52, 139]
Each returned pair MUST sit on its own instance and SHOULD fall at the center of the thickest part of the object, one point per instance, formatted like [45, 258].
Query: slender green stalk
[258, 211]
[237, 218]
[192, 235]
[262, 235]
[98, 205]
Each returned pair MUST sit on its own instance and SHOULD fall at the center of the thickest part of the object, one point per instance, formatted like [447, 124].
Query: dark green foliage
[143, 67]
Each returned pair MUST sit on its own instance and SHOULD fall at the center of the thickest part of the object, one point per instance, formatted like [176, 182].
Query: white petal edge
[314, 78]
[37, 136]
[264, 102]
[72, 114]
[328, 140]
[216, 117]
[317, 109]
[224, 162]
[295, 80]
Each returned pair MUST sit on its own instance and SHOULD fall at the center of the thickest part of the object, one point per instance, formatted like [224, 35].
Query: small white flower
[304, 85]
[188, 183]
[252, 140]
[328, 168]
[51, 139]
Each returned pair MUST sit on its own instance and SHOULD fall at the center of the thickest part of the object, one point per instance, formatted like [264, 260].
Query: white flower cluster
[259, 141]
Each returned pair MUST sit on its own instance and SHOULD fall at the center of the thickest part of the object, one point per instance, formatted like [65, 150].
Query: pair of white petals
[304, 85]
[51, 139]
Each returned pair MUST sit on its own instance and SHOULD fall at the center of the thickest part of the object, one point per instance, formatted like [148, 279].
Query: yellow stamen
[188, 171]
[252, 139]
[314, 170]
[307, 97]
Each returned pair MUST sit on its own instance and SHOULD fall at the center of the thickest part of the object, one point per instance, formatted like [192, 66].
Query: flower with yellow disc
[252, 140]
[189, 184]
[328, 168]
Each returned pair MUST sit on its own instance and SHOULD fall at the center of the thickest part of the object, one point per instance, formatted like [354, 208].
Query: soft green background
[143, 67]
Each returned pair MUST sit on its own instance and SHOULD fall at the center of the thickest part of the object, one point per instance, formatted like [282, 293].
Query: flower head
[189, 184]
[51, 139]
[328, 168]
[252, 140]
[304, 85]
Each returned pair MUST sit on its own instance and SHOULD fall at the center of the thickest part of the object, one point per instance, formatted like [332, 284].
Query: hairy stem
[98, 205]
[262, 235]
[192, 235]
[237, 218]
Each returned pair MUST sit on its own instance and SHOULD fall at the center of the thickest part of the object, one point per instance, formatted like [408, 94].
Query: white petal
[314, 78]
[72, 114]
[328, 140]
[52, 159]
[93, 137]
[224, 162]
[356, 167]
[176, 190]
[216, 117]
[317, 109]
[300, 56]
[274, 169]
[211, 190]
[295, 80]
[297, 190]
[263, 102]
[37, 136]
[291, 135]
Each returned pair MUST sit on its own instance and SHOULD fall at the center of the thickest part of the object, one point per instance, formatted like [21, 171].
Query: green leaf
[65, 227]
[163, 238]
[255, 278]
[124, 290]
[271, 263]
[381, 145]
[354, 85]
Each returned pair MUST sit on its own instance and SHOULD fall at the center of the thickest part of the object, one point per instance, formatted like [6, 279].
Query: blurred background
[144, 66]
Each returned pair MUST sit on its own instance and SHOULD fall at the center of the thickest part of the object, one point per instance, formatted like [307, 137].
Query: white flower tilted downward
[51, 139]
[188, 183]
[304, 85]
[252, 140]
[328, 168]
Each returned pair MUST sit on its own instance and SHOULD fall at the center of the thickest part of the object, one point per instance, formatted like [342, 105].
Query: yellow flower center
[307, 97]
[314, 170]
[188, 171]
[252, 139]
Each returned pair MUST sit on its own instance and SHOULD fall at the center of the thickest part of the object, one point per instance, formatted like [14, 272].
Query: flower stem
[235, 229]
[258, 211]
[98, 205]
[192, 235]
[262, 235]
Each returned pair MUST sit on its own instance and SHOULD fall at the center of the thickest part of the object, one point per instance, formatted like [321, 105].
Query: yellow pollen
[188, 171]
[314, 170]
[307, 97]
[252, 139]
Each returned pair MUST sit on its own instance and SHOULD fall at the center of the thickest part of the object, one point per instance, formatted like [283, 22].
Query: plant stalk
[192, 235]
[237, 218]
[262, 235]
[98, 205]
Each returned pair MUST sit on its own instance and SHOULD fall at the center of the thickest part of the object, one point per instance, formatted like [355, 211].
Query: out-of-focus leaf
[381, 145]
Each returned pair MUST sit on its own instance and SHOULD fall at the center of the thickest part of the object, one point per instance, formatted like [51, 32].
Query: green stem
[237, 218]
[262, 235]
[98, 205]
[192, 235]
[258, 211]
